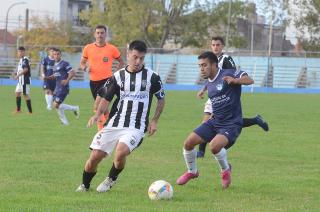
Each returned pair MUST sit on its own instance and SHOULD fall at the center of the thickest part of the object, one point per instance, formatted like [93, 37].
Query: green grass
[41, 162]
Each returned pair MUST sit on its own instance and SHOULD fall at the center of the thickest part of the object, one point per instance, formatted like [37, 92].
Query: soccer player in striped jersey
[224, 62]
[134, 86]
[222, 130]
[46, 69]
[62, 73]
[23, 76]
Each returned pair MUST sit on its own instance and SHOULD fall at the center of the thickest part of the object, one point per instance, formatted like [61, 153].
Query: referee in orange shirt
[99, 57]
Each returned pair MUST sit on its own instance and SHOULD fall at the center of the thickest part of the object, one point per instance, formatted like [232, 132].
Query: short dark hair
[138, 45]
[56, 49]
[21, 48]
[210, 55]
[100, 27]
[218, 38]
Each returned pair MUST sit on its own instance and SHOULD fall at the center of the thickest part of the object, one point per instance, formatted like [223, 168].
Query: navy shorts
[208, 130]
[49, 85]
[59, 97]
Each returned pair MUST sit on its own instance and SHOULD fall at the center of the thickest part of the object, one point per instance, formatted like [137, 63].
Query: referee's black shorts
[95, 87]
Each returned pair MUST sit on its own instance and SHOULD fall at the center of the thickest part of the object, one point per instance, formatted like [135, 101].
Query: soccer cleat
[16, 112]
[106, 185]
[77, 112]
[200, 154]
[226, 177]
[186, 177]
[262, 123]
[82, 188]
[49, 107]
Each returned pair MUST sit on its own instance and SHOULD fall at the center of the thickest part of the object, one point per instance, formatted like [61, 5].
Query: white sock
[190, 158]
[49, 99]
[221, 157]
[62, 116]
[68, 107]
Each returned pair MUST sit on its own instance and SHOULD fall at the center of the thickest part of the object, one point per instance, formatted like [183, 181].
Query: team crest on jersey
[105, 59]
[219, 87]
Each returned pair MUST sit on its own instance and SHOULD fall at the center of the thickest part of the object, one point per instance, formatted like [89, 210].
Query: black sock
[29, 105]
[18, 101]
[202, 147]
[247, 122]
[87, 177]
[114, 172]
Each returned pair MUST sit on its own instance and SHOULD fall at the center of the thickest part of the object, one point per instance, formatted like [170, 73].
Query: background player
[224, 62]
[46, 69]
[221, 132]
[23, 76]
[99, 56]
[135, 86]
[62, 73]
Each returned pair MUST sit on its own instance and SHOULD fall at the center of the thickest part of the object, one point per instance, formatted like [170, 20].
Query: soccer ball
[159, 190]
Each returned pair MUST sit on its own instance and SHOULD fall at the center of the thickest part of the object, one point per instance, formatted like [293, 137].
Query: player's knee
[56, 105]
[214, 148]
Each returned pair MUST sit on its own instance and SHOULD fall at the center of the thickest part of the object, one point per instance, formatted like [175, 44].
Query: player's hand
[200, 94]
[230, 80]
[64, 82]
[93, 120]
[152, 128]
[15, 77]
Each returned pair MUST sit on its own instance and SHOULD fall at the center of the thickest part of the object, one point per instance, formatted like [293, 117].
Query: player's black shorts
[95, 87]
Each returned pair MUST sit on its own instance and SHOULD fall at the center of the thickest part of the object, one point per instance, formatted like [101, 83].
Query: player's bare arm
[244, 80]
[152, 128]
[120, 63]
[83, 64]
[42, 72]
[201, 93]
[25, 70]
[103, 106]
[71, 74]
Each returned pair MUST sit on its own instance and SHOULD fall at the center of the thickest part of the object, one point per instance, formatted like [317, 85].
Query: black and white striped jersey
[134, 96]
[226, 62]
[25, 78]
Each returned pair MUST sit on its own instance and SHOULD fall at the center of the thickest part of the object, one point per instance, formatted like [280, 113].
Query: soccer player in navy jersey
[62, 73]
[222, 130]
[46, 70]
[224, 62]
[134, 86]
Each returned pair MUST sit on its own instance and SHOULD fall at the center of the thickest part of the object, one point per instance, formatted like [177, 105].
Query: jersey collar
[212, 80]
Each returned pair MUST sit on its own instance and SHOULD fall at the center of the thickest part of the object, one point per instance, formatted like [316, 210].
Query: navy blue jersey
[48, 64]
[225, 98]
[61, 71]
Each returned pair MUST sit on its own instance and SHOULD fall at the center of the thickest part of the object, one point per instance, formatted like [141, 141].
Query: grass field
[41, 161]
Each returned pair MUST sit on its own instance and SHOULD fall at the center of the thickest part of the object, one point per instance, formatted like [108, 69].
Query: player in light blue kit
[46, 70]
[62, 73]
[221, 132]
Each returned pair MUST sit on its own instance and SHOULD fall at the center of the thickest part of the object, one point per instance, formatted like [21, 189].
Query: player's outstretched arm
[152, 128]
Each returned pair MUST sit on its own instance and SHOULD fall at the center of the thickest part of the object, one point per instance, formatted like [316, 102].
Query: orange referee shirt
[100, 60]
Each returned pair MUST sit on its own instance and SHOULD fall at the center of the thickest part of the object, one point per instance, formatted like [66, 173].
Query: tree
[306, 19]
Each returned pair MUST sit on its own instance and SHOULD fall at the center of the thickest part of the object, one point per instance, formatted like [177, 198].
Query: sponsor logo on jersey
[105, 59]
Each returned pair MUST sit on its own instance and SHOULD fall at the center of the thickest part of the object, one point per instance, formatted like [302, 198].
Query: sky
[36, 7]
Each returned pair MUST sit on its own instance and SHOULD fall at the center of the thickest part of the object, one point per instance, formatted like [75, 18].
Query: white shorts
[25, 89]
[107, 139]
[208, 107]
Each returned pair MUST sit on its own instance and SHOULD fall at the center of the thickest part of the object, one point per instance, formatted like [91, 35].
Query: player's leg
[102, 145]
[18, 92]
[48, 87]
[57, 101]
[189, 154]
[257, 120]
[26, 92]
[129, 140]
[206, 116]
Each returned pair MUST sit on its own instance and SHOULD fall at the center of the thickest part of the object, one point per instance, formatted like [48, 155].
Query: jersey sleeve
[110, 89]
[156, 86]
[85, 52]
[68, 67]
[240, 73]
[228, 63]
[43, 62]
[25, 63]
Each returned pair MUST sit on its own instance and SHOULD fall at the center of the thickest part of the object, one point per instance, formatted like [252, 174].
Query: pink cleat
[186, 177]
[226, 177]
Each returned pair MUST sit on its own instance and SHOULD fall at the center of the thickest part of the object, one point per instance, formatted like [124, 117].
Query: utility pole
[27, 19]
